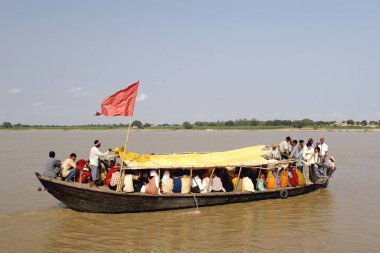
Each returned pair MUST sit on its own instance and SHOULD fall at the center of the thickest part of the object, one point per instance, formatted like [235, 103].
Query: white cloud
[142, 97]
[38, 104]
[13, 91]
[84, 94]
[76, 89]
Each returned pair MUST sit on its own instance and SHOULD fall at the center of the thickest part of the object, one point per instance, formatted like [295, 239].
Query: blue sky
[196, 60]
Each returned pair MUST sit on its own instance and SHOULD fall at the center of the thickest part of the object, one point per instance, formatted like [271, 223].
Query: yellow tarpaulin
[250, 156]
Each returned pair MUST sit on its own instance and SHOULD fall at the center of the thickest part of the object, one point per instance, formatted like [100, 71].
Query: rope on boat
[195, 200]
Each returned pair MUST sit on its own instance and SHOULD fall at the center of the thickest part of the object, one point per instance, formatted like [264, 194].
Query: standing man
[284, 148]
[308, 161]
[52, 166]
[94, 160]
[324, 150]
[69, 168]
[294, 149]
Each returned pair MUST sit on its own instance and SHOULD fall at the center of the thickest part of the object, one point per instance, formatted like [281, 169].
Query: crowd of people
[312, 160]
[304, 164]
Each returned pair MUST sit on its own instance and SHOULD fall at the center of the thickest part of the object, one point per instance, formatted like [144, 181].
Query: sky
[196, 60]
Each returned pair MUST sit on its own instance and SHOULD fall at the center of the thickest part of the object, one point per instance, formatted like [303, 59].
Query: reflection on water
[342, 218]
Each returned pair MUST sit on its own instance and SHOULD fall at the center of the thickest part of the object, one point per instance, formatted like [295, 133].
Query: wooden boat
[82, 197]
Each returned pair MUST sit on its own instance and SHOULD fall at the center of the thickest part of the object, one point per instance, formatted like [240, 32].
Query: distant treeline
[239, 123]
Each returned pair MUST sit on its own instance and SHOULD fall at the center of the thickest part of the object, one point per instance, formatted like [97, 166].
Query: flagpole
[121, 177]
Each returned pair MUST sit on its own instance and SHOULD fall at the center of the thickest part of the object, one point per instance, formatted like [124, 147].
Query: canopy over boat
[245, 157]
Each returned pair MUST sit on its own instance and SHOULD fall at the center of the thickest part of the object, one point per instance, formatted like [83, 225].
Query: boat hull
[81, 197]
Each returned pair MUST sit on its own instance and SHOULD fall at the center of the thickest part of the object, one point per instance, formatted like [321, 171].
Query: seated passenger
[128, 181]
[177, 183]
[274, 153]
[153, 185]
[196, 183]
[270, 182]
[301, 178]
[261, 182]
[83, 173]
[166, 183]
[216, 182]
[294, 179]
[236, 181]
[284, 179]
[52, 166]
[109, 174]
[69, 168]
[247, 185]
[138, 184]
[186, 183]
[114, 180]
[205, 185]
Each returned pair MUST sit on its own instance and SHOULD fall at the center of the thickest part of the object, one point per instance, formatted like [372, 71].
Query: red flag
[121, 103]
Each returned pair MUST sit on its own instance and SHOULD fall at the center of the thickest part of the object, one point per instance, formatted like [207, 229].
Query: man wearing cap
[94, 160]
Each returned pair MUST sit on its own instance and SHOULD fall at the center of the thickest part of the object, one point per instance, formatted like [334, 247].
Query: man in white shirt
[94, 160]
[284, 148]
[324, 150]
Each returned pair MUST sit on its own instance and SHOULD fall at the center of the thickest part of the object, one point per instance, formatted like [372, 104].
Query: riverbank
[205, 128]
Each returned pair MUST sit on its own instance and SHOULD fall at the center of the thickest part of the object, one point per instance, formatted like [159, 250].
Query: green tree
[364, 122]
[137, 123]
[7, 124]
[187, 125]
[350, 122]
[229, 123]
[146, 125]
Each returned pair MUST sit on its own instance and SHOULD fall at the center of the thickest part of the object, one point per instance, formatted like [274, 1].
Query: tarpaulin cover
[245, 157]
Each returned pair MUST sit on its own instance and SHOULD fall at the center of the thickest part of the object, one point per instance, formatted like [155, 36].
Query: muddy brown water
[343, 218]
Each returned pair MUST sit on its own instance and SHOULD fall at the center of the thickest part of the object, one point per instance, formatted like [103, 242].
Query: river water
[345, 217]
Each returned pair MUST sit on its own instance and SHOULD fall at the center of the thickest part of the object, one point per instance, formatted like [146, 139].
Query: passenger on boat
[284, 148]
[277, 178]
[216, 182]
[110, 173]
[166, 183]
[128, 181]
[138, 184]
[330, 166]
[315, 165]
[153, 185]
[196, 183]
[307, 161]
[294, 149]
[270, 182]
[324, 150]
[302, 143]
[52, 166]
[114, 180]
[69, 168]
[177, 183]
[186, 182]
[247, 184]
[274, 153]
[261, 182]
[299, 156]
[293, 179]
[284, 178]
[94, 161]
[226, 180]
[205, 185]
[236, 181]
